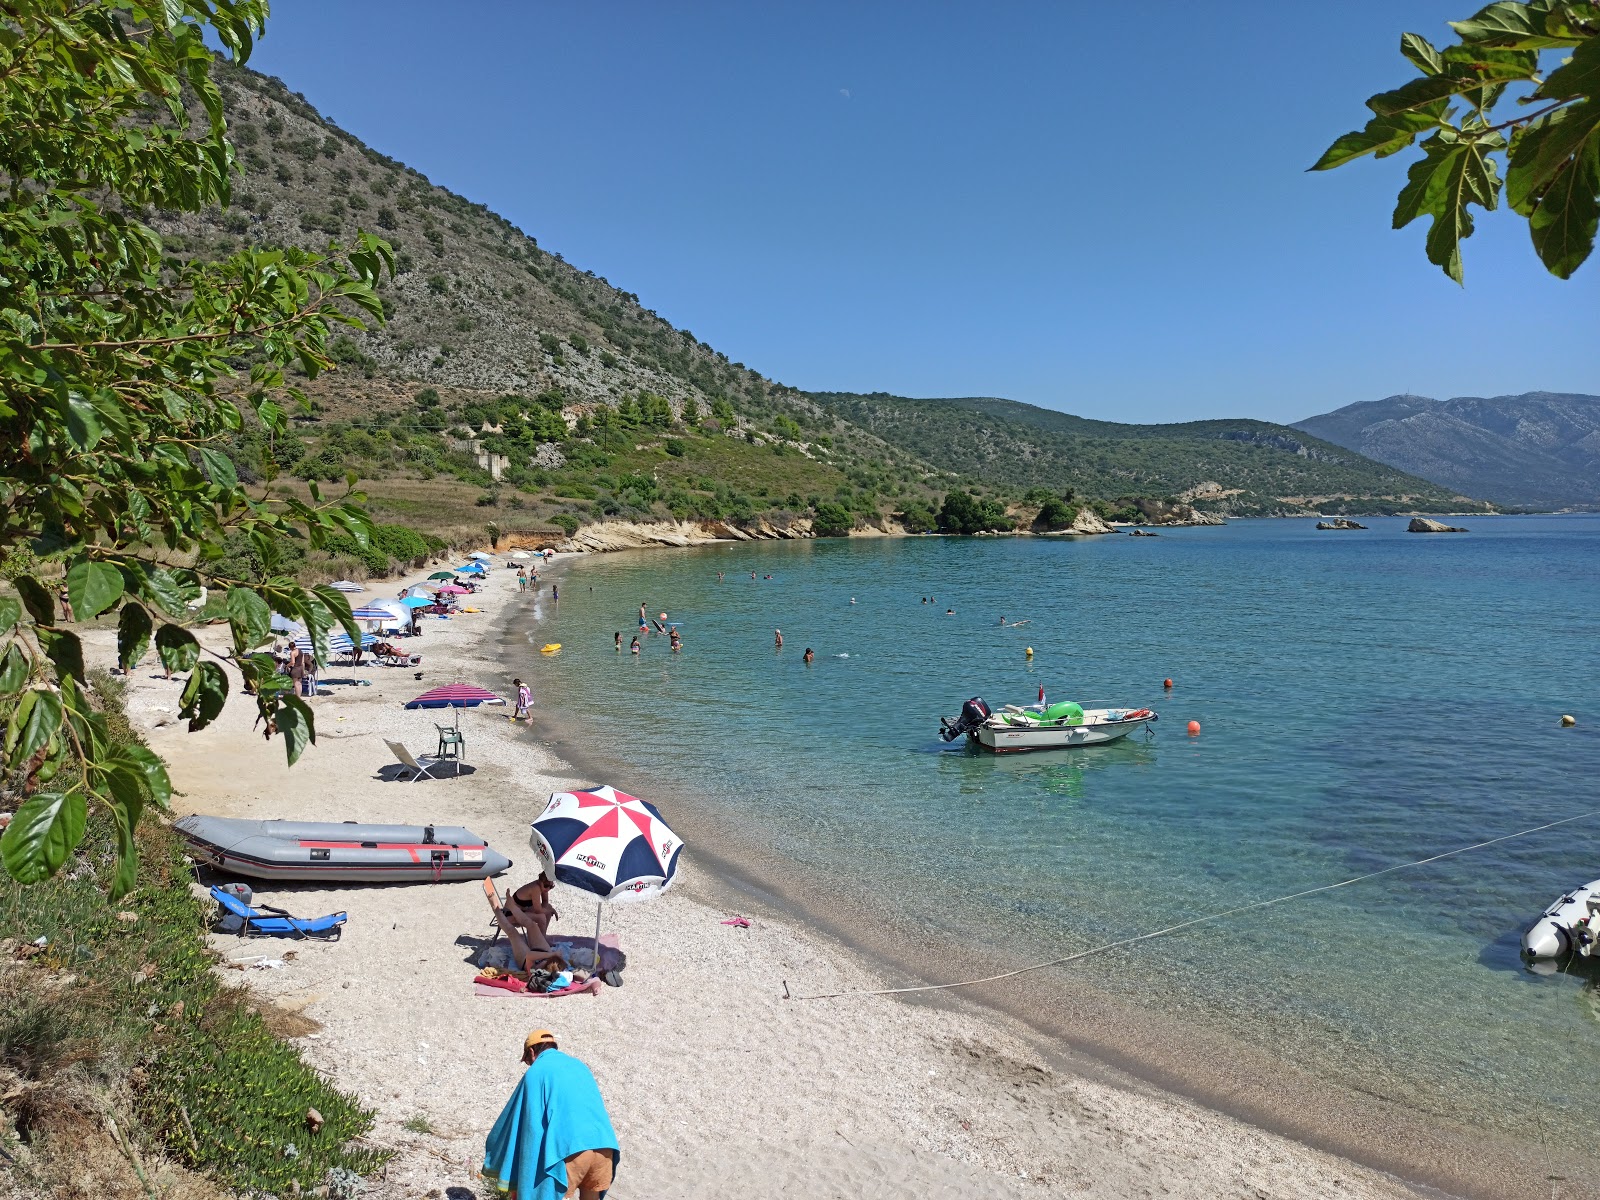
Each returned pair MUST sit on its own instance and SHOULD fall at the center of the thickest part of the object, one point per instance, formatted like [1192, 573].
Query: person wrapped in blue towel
[553, 1137]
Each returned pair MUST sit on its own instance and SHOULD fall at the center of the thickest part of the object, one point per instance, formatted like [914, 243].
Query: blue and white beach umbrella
[474, 568]
[338, 643]
[368, 613]
[346, 585]
[607, 842]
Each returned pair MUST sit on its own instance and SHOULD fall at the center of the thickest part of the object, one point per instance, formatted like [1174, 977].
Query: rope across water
[1216, 916]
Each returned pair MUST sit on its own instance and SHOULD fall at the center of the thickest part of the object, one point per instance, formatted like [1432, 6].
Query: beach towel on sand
[555, 1112]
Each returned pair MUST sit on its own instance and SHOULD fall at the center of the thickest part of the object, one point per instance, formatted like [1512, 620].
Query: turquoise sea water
[1366, 698]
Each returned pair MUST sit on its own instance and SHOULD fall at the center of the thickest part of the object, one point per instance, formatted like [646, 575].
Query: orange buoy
[1194, 728]
[1166, 683]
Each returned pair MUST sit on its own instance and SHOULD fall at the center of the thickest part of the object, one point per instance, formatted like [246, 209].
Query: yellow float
[549, 647]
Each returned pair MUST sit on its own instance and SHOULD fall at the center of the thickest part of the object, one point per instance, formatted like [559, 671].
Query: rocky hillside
[1229, 466]
[554, 393]
[1537, 450]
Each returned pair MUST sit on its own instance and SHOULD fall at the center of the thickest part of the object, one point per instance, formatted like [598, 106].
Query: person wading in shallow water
[810, 655]
[777, 639]
[554, 1136]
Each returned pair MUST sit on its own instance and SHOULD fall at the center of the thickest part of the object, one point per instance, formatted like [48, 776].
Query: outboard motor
[973, 714]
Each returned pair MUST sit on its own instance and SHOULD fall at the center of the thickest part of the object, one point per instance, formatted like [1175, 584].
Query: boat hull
[307, 851]
[1020, 739]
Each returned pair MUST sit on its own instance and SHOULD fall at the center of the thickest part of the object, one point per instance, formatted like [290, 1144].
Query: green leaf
[204, 695]
[177, 647]
[298, 727]
[1381, 137]
[1579, 77]
[34, 723]
[1491, 67]
[152, 770]
[219, 467]
[133, 634]
[92, 588]
[65, 652]
[1421, 53]
[1516, 26]
[250, 618]
[42, 835]
[1563, 225]
[10, 612]
[126, 806]
[13, 670]
[338, 606]
[40, 605]
[83, 422]
[160, 587]
[1450, 176]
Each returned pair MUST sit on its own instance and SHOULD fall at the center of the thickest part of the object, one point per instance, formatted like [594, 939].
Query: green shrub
[832, 520]
[964, 513]
[215, 1090]
[676, 447]
[567, 522]
[918, 518]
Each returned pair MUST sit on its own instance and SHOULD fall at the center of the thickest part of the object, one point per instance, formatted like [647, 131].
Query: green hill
[512, 386]
[1231, 466]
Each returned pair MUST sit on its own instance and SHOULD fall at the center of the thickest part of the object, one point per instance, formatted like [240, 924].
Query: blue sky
[1099, 208]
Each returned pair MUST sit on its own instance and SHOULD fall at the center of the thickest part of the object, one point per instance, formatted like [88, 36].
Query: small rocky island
[1424, 525]
[1340, 523]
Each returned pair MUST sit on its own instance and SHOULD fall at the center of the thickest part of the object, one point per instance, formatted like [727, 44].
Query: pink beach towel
[483, 987]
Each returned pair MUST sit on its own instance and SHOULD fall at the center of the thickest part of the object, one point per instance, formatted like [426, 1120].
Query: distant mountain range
[1536, 450]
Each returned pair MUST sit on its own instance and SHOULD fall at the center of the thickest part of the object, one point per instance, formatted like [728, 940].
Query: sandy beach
[718, 1085]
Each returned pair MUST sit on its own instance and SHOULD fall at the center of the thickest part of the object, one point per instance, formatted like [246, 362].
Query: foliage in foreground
[213, 1088]
[1552, 152]
[112, 421]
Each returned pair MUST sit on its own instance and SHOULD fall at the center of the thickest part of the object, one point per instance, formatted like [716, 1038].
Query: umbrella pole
[598, 909]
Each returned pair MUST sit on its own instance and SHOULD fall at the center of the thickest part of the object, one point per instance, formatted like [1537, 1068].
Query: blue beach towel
[555, 1112]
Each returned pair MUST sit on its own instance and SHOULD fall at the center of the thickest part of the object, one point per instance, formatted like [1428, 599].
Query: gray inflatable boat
[340, 852]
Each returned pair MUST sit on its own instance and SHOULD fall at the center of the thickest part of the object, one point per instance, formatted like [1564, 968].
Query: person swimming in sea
[635, 647]
[619, 639]
[949, 612]
[777, 638]
[809, 655]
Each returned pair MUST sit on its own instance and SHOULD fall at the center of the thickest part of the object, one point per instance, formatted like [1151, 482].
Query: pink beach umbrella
[453, 589]
[454, 695]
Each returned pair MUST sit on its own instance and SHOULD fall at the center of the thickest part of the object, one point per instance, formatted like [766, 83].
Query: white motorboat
[1568, 926]
[1016, 729]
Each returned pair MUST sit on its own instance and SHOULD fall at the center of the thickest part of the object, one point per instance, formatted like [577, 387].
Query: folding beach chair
[279, 924]
[418, 768]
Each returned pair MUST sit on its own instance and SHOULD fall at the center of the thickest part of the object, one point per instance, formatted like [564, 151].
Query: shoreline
[717, 1085]
[1091, 1032]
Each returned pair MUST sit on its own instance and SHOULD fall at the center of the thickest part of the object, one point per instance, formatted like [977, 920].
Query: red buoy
[1194, 728]
[1167, 684]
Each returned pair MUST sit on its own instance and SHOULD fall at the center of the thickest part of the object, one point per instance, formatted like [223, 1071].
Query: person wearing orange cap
[554, 1137]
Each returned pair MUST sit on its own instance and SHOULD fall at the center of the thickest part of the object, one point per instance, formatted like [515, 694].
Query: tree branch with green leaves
[1542, 57]
[120, 383]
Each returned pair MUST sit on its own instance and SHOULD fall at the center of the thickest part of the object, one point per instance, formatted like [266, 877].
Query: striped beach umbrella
[368, 613]
[607, 842]
[454, 695]
[346, 585]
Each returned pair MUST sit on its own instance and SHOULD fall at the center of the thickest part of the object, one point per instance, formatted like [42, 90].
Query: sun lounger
[278, 923]
[418, 768]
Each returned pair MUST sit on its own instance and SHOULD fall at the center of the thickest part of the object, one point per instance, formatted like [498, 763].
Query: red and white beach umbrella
[607, 842]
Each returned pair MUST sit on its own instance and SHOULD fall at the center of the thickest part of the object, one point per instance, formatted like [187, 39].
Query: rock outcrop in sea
[1425, 525]
[1340, 523]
